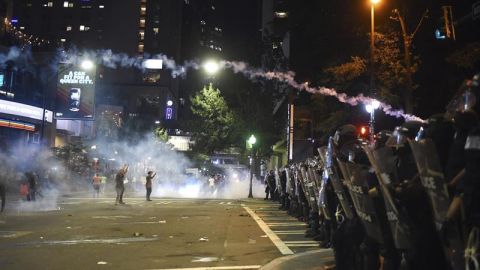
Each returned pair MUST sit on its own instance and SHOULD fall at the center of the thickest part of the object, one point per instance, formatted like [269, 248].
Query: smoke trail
[289, 78]
[116, 60]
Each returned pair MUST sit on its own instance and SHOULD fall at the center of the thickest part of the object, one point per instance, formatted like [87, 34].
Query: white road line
[301, 242]
[290, 233]
[273, 237]
[215, 268]
[303, 245]
[286, 224]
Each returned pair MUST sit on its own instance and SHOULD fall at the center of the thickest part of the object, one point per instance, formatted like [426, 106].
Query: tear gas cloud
[150, 154]
[53, 178]
[116, 60]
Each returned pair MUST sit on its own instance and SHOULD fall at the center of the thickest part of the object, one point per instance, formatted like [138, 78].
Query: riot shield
[432, 177]
[303, 184]
[383, 162]
[358, 187]
[278, 183]
[309, 187]
[290, 184]
[327, 156]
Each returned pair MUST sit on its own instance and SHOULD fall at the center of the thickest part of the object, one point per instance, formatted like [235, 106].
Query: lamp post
[370, 108]
[372, 45]
[251, 144]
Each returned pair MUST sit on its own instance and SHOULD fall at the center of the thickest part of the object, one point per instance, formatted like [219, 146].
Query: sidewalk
[310, 260]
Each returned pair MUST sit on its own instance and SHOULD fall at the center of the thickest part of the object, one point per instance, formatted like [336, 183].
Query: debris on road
[203, 239]
[205, 259]
[102, 262]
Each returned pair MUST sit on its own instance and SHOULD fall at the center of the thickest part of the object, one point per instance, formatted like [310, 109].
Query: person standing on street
[119, 185]
[32, 186]
[148, 184]
[96, 185]
[3, 192]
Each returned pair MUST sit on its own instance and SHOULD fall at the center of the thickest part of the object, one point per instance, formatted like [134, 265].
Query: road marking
[289, 232]
[88, 241]
[215, 268]
[286, 224]
[303, 245]
[13, 234]
[273, 237]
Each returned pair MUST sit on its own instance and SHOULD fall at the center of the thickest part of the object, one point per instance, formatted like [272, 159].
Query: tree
[161, 134]
[214, 120]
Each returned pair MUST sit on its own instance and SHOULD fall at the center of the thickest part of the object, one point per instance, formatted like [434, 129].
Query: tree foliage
[213, 122]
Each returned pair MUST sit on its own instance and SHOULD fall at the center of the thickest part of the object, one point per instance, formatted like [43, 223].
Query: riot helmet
[401, 134]
[345, 134]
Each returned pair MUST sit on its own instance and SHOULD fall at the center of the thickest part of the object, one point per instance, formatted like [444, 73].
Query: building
[140, 28]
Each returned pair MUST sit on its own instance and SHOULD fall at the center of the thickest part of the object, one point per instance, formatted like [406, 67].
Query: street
[87, 233]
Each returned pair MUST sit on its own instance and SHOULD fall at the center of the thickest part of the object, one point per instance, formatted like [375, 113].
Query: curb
[315, 259]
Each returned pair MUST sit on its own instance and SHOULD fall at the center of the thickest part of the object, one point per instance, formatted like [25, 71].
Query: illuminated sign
[2, 79]
[16, 125]
[19, 109]
[169, 113]
[75, 93]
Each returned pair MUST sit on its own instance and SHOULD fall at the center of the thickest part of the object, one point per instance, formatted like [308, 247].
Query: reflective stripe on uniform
[473, 143]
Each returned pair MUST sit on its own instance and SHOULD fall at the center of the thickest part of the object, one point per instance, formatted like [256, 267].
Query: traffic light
[363, 132]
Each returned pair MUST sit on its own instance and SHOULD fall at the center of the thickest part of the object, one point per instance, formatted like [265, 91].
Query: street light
[370, 108]
[211, 67]
[372, 45]
[87, 64]
[251, 143]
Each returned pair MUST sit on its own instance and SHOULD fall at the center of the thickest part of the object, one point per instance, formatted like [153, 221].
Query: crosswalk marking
[273, 237]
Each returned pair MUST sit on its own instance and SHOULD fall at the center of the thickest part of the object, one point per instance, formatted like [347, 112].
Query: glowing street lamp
[251, 143]
[370, 108]
[87, 64]
[211, 67]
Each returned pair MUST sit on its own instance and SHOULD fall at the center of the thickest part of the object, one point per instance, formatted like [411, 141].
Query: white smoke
[115, 60]
[170, 166]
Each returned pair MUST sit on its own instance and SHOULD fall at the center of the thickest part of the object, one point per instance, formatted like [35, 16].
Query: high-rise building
[138, 28]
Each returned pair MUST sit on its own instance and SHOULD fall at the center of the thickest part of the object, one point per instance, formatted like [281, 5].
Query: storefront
[22, 123]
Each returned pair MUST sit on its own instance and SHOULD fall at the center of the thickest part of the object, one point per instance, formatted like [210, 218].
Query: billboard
[75, 98]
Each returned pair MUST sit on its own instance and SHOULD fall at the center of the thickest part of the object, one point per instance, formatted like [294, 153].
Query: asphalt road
[85, 233]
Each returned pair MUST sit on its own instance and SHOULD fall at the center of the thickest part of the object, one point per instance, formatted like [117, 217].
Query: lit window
[65, 4]
[142, 35]
[143, 10]
[101, 6]
[141, 47]
[50, 4]
[70, 4]
[22, 27]
[155, 30]
[202, 22]
[69, 28]
[142, 22]
[82, 27]
[63, 40]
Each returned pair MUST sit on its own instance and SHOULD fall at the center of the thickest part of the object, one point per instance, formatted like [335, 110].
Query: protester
[32, 186]
[3, 192]
[148, 184]
[119, 184]
[96, 181]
